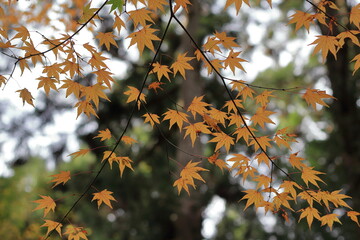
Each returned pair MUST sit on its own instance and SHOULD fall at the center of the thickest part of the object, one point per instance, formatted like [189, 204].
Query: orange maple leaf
[128, 140]
[143, 38]
[261, 117]
[301, 19]
[46, 203]
[151, 118]
[106, 39]
[26, 96]
[310, 175]
[193, 130]
[85, 107]
[262, 180]
[355, 15]
[263, 141]
[62, 177]
[310, 213]
[181, 3]
[263, 98]
[314, 96]
[72, 88]
[187, 176]
[233, 61]
[133, 94]
[79, 153]
[253, 197]
[104, 135]
[357, 63]
[181, 64]
[213, 159]
[198, 106]
[93, 93]
[296, 161]
[140, 16]
[222, 139]
[52, 225]
[227, 42]
[104, 76]
[75, 233]
[123, 162]
[329, 219]
[353, 216]
[177, 117]
[161, 70]
[243, 132]
[103, 197]
[326, 44]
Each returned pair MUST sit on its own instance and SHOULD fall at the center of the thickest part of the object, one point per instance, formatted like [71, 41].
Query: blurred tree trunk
[345, 111]
[189, 214]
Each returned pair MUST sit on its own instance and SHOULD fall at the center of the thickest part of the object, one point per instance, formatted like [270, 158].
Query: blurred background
[35, 142]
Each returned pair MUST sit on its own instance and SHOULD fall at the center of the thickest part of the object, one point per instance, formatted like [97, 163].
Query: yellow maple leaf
[310, 175]
[213, 159]
[75, 233]
[123, 162]
[140, 16]
[118, 22]
[181, 64]
[262, 180]
[128, 140]
[103, 197]
[237, 3]
[193, 130]
[296, 161]
[355, 15]
[181, 3]
[161, 70]
[104, 135]
[134, 94]
[222, 139]
[62, 177]
[301, 19]
[26, 96]
[187, 176]
[72, 87]
[310, 213]
[79, 153]
[177, 117]
[314, 96]
[46, 203]
[47, 83]
[157, 4]
[106, 39]
[198, 106]
[233, 61]
[103, 76]
[326, 44]
[263, 141]
[85, 107]
[261, 117]
[353, 216]
[329, 219]
[52, 225]
[143, 38]
[151, 118]
[357, 63]
[226, 41]
[253, 197]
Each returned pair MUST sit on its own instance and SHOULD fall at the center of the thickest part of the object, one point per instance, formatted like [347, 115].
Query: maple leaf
[161, 70]
[301, 19]
[262, 180]
[155, 86]
[72, 67]
[310, 175]
[103, 76]
[103, 197]
[46, 203]
[182, 183]
[157, 4]
[237, 3]
[357, 63]
[198, 106]
[116, 4]
[62, 177]
[263, 98]
[282, 199]
[296, 161]
[140, 16]
[22, 33]
[181, 3]
[353, 216]
[52, 225]
[253, 197]
[355, 15]
[144, 37]
[75, 233]
[177, 117]
[97, 61]
[213, 159]
[79, 153]
[118, 22]
[234, 62]
[181, 64]
[262, 158]
[26, 96]
[123, 162]
[337, 199]
[263, 141]
[244, 133]
[314, 96]
[239, 160]
[151, 118]
[2, 80]
[218, 115]
[104, 135]
[326, 44]
[213, 123]
[72, 88]
[289, 187]
[193, 130]
[222, 139]
[134, 94]
[128, 140]
[214, 64]
[310, 213]
[53, 70]
[227, 42]
[329, 220]
[85, 107]
[261, 117]
[233, 107]
[351, 34]
[47, 83]
[88, 12]
[93, 93]
[110, 157]
[106, 39]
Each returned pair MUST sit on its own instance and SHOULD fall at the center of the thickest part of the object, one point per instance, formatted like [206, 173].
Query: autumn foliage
[64, 59]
